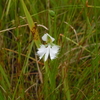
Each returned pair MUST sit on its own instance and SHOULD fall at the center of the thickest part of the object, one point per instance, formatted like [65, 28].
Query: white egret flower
[48, 50]
[46, 37]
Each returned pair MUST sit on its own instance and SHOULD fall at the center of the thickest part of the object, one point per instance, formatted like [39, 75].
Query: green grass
[74, 74]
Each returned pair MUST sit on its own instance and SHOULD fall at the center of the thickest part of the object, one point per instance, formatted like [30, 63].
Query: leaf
[32, 25]
[4, 75]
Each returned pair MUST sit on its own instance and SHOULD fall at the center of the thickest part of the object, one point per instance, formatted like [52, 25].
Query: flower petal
[48, 50]
[47, 53]
[53, 51]
[45, 37]
[41, 51]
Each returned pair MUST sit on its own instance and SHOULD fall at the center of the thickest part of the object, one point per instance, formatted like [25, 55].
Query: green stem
[78, 45]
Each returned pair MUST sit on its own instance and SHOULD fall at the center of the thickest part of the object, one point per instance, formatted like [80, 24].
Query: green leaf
[4, 75]
[32, 25]
[1, 96]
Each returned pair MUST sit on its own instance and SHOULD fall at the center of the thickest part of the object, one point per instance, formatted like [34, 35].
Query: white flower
[48, 50]
[46, 37]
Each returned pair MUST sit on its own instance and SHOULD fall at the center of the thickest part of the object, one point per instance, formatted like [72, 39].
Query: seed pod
[52, 13]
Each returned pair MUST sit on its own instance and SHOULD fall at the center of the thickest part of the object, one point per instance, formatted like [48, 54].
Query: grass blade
[4, 75]
[32, 25]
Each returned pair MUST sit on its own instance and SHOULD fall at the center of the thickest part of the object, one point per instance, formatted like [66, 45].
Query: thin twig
[30, 87]
[5, 91]
[73, 30]
[73, 49]
[23, 55]
[39, 71]
[77, 44]
[22, 26]
[27, 90]
[13, 28]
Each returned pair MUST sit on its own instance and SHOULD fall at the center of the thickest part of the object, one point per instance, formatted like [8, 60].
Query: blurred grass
[74, 75]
